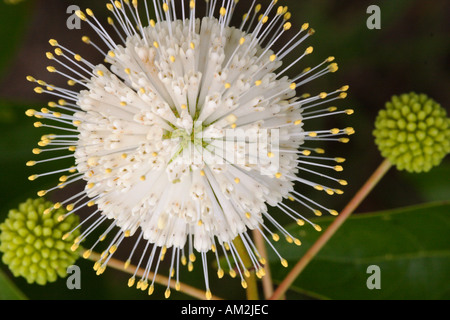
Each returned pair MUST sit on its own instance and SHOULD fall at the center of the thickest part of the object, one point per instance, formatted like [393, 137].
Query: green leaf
[14, 19]
[410, 245]
[8, 291]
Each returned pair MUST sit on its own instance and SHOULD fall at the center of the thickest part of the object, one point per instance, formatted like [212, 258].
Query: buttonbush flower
[150, 131]
[37, 246]
[413, 132]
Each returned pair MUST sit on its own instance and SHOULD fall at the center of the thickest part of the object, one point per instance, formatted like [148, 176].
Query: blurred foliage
[410, 53]
[410, 245]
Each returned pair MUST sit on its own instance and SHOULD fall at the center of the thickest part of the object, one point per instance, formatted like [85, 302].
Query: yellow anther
[287, 26]
[319, 188]
[273, 57]
[338, 168]
[156, 44]
[258, 8]
[118, 4]
[248, 215]
[306, 152]
[332, 109]
[280, 10]
[330, 59]
[349, 111]
[335, 131]
[165, 7]
[192, 45]
[343, 95]
[333, 67]
[31, 79]
[323, 95]
[287, 16]
[270, 154]
[284, 263]
[318, 213]
[275, 237]
[344, 88]
[208, 295]
[319, 150]
[113, 249]
[100, 73]
[305, 26]
[30, 112]
[131, 281]
[223, 11]
[33, 177]
[244, 284]
[300, 222]
[167, 293]
[349, 131]
[70, 207]
[258, 83]
[86, 39]
[74, 247]
[334, 212]
[31, 163]
[220, 273]
[53, 42]
[237, 180]
[152, 23]
[126, 264]
[110, 21]
[90, 12]
[344, 140]
[50, 56]
[309, 50]
[38, 90]
[317, 227]
[87, 254]
[151, 290]
[312, 134]
[343, 182]
[80, 14]
[192, 5]
[278, 175]
[293, 86]
[172, 59]
[297, 242]
[242, 41]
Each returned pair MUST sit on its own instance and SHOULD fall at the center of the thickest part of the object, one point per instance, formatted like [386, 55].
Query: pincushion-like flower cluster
[190, 131]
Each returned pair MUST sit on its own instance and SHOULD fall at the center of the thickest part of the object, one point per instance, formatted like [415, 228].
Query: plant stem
[267, 279]
[187, 289]
[252, 283]
[331, 230]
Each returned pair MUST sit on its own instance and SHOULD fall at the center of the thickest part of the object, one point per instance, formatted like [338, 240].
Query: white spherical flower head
[190, 131]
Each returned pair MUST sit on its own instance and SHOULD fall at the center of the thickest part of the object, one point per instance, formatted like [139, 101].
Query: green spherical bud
[31, 241]
[413, 132]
